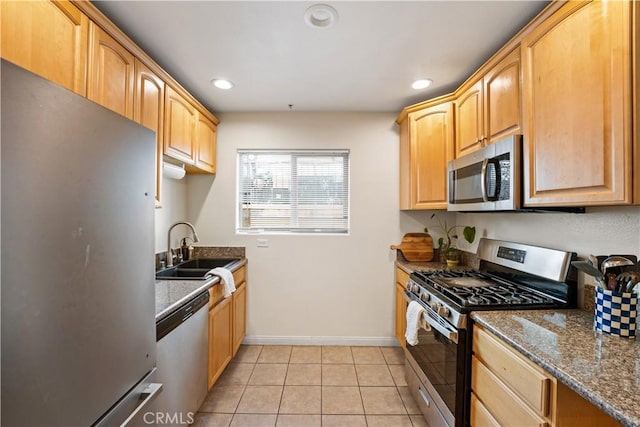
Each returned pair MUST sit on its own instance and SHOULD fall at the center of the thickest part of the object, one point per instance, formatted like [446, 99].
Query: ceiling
[366, 61]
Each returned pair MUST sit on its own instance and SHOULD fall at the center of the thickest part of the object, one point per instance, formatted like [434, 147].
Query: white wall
[338, 289]
[319, 289]
[599, 231]
[173, 198]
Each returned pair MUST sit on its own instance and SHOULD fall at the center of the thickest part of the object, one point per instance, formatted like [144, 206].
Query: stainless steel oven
[436, 368]
[511, 276]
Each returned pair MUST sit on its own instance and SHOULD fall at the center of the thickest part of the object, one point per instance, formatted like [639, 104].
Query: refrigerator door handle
[148, 395]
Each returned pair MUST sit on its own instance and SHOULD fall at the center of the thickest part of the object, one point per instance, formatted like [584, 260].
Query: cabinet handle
[424, 396]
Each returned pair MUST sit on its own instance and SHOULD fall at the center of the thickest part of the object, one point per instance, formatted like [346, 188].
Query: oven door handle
[452, 335]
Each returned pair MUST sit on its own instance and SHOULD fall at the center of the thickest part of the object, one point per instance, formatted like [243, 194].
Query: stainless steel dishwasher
[182, 353]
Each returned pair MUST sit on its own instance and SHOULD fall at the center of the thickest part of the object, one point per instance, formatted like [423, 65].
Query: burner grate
[478, 289]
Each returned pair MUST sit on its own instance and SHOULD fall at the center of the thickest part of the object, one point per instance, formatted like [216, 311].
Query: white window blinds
[293, 191]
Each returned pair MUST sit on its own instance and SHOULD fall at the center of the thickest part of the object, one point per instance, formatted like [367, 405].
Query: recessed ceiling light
[421, 84]
[320, 16]
[222, 83]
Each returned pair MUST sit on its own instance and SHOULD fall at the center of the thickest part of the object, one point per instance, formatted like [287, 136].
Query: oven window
[436, 356]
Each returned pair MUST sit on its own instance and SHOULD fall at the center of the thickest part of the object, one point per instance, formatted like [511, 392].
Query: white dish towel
[414, 321]
[227, 280]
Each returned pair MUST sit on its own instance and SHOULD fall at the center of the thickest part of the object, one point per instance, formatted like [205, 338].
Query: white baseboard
[293, 340]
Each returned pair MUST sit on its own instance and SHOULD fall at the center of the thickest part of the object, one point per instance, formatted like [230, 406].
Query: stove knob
[443, 311]
[425, 297]
[435, 306]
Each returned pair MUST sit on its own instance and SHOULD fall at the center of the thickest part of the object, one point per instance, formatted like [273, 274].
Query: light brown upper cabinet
[577, 106]
[190, 134]
[489, 109]
[469, 129]
[149, 111]
[502, 98]
[180, 122]
[205, 150]
[426, 146]
[48, 38]
[111, 73]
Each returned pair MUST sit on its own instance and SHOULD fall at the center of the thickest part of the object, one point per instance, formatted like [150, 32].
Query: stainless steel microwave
[488, 179]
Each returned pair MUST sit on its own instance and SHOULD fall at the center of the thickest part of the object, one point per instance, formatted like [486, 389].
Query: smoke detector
[320, 16]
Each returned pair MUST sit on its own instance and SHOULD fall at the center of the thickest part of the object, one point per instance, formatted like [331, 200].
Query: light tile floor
[308, 386]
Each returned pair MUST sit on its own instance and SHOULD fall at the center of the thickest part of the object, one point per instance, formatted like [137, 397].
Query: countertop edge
[209, 283]
[584, 391]
[409, 267]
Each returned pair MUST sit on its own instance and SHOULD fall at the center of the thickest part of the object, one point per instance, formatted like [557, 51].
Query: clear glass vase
[452, 256]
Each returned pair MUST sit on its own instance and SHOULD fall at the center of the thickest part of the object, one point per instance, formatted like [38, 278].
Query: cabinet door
[469, 117]
[480, 416]
[149, 111]
[405, 165]
[431, 148]
[502, 98]
[401, 315]
[239, 316]
[577, 106]
[180, 117]
[401, 306]
[111, 73]
[205, 145]
[219, 339]
[49, 38]
[505, 406]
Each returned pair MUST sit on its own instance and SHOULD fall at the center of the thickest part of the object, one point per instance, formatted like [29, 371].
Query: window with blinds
[293, 191]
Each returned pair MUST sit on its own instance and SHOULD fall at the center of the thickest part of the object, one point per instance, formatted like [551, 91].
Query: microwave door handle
[483, 180]
[496, 165]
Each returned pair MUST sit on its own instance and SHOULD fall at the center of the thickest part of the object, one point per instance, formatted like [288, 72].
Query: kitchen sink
[195, 269]
[207, 263]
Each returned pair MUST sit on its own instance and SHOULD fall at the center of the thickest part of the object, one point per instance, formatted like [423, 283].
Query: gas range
[510, 276]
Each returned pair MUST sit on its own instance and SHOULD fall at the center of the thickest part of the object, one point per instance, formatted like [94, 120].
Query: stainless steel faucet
[169, 253]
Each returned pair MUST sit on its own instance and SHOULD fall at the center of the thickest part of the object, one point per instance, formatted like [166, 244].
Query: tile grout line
[244, 389]
[322, 385]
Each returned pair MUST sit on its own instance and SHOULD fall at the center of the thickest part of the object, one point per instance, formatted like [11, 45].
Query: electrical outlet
[263, 243]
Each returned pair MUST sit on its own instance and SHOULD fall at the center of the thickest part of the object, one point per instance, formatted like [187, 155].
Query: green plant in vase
[446, 244]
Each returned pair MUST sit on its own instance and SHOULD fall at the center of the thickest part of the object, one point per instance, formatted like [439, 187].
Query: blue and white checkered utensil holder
[616, 313]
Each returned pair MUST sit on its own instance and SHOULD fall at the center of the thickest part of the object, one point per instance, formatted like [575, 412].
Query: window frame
[294, 155]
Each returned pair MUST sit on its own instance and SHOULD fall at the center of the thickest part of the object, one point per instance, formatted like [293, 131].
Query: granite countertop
[171, 294]
[602, 368]
[410, 267]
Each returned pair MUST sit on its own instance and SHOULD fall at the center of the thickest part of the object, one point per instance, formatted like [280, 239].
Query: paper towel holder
[169, 170]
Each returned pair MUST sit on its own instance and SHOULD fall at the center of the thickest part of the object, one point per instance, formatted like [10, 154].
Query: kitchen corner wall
[174, 208]
[307, 288]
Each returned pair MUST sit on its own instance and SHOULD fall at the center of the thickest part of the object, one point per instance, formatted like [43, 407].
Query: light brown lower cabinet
[509, 390]
[401, 306]
[220, 336]
[227, 324]
[239, 316]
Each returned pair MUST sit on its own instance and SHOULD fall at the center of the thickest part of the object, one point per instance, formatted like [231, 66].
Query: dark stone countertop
[171, 294]
[602, 368]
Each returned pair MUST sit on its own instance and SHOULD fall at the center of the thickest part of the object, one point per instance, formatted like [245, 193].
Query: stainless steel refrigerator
[77, 228]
